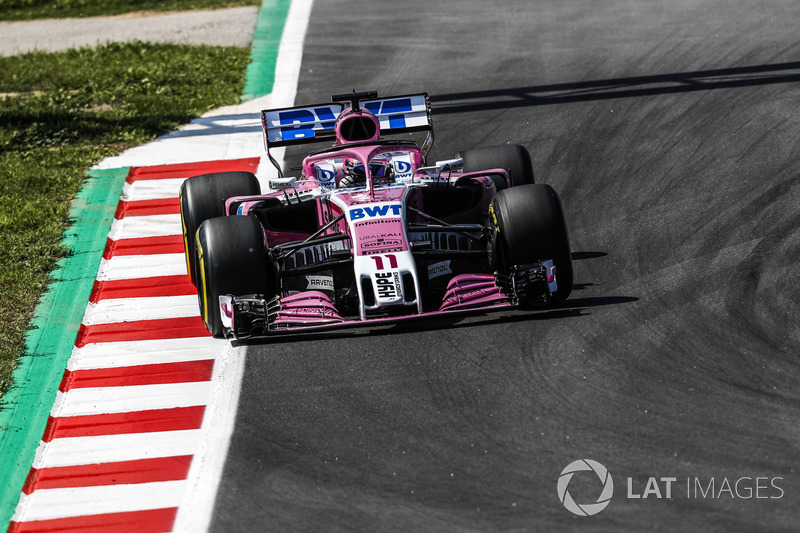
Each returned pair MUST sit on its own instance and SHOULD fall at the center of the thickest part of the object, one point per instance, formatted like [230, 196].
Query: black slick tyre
[203, 197]
[231, 259]
[513, 158]
[529, 227]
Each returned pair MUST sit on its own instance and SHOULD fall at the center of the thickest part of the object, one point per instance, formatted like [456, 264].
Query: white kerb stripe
[107, 400]
[141, 266]
[48, 504]
[151, 189]
[134, 353]
[74, 451]
[135, 227]
[133, 309]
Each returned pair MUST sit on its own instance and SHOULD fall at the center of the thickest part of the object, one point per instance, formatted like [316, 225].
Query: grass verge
[11, 10]
[62, 112]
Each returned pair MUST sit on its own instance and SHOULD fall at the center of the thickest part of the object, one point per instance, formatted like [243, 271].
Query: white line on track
[207, 466]
[218, 423]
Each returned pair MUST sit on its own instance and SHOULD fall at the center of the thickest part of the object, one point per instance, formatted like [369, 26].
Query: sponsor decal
[370, 223]
[375, 243]
[321, 311]
[385, 210]
[320, 283]
[381, 250]
[389, 286]
[391, 113]
[402, 169]
[326, 175]
[439, 269]
[301, 123]
[383, 235]
[474, 293]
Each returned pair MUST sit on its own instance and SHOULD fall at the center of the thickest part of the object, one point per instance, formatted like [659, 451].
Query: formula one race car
[370, 233]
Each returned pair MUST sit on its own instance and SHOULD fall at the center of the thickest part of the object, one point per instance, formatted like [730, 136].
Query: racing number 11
[379, 261]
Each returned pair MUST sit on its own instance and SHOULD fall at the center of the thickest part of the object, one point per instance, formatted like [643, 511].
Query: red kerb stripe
[142, 330]
[151, 421]
[119, 473]
[164, 244]
[142, 288]
[186, 170]
[158, 206]
[152, 521]
[180, 372]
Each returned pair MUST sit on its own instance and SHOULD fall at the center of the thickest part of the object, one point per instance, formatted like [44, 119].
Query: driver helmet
[353, 172]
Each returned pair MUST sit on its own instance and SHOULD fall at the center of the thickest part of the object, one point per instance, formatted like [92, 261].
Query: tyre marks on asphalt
[128, 419]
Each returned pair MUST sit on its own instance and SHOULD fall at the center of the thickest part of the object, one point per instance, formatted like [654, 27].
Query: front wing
[253, 316]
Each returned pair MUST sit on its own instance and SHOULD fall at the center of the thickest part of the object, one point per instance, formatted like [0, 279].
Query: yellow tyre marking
[185, 236]
[494, 218]
[202, 269]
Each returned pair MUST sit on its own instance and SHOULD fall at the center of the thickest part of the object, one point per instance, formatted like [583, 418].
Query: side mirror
[282, 183]
[449, 164]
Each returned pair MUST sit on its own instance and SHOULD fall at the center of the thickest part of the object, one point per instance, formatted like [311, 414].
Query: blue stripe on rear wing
[315, 123]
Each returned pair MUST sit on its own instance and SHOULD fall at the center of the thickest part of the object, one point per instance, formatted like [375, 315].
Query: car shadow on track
[430, 324]
[578, 256]
[583, 91]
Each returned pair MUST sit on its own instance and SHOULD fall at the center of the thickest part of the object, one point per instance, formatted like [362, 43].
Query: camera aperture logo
[586, 509]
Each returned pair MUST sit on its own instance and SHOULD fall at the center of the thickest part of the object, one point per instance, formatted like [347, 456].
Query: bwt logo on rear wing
[298, 125]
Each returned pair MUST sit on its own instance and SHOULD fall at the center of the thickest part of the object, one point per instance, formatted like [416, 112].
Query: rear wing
[315, 123]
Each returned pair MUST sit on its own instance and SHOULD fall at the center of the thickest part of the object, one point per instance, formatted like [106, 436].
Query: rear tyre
[513, 158]
[203, 197]
[530, 227]
[232, 259]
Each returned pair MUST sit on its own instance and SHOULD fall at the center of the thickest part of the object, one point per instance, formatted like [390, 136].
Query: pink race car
[370, 232]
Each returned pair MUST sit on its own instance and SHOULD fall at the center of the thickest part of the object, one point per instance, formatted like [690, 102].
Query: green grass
[36, 9]
[61, 113]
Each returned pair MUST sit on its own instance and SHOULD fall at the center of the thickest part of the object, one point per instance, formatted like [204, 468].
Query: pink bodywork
[377, 238]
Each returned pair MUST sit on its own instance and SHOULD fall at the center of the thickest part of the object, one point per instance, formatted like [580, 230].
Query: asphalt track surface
[671, 132]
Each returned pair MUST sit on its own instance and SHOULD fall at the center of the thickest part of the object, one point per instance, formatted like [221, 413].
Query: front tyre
[530, 227]
[231, 259]
[513, 158]
[203, 197]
